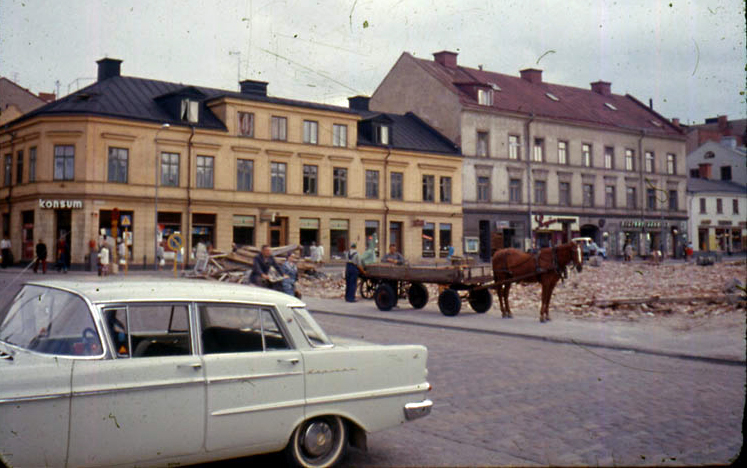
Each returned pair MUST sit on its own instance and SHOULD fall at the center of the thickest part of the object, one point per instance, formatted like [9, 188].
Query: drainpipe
[188, 240]
[642, 161]
[9, 198]
[529, 177]
[385, 234]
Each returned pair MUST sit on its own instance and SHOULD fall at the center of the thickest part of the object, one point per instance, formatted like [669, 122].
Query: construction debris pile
[236, 265]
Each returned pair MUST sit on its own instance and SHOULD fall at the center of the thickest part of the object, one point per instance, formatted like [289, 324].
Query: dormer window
[190, 110]
[485, 97]
[494, 87]
[382, 134]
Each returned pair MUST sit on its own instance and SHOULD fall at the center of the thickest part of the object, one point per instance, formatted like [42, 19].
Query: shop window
[338, 237]
[64, 162]
[118, 162]
[310, 173]
[308, 233]
[243, 230]
[372, 184]
[429, 234]
[396, 180]
[170, 169]
[339, 181]
[372, 236]
[245, 175]
[444, 239]
[203, 229]
[168, 223]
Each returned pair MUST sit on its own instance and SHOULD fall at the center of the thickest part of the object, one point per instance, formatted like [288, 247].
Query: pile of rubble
[234, 266]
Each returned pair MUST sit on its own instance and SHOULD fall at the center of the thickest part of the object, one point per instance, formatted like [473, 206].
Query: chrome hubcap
[317, 438]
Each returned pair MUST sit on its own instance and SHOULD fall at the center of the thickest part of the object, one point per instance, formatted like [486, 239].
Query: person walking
[352, 268]
[7, 254]
[41, 257]
[104, 260]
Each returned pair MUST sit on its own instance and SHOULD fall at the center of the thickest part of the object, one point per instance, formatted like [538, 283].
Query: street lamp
[155, 184]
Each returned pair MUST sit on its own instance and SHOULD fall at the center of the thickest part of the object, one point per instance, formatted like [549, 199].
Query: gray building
[544, 162]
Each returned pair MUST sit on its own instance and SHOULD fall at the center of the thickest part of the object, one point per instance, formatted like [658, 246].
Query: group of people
[63, 257]
[355, 264]
[285, 274]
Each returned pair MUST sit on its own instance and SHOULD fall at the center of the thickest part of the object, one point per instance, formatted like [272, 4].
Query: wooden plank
[653, 300]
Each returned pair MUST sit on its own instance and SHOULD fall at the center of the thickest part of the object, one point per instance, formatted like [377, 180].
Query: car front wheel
[318, 442]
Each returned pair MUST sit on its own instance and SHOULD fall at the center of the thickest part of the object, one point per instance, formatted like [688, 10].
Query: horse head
[578, 259]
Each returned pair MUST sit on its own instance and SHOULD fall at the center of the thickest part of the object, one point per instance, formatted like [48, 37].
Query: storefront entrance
[203, 229]
[308, 233]
[63, 223]
[27, 236]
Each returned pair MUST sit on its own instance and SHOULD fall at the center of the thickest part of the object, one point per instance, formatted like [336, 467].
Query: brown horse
[546, 267]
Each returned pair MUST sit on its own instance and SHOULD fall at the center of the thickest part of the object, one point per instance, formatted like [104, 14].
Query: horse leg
[499, 293]
[547, 290]
[507, 287]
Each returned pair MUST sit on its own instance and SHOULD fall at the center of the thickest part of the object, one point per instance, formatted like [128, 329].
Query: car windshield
[50, 321]
[311, 329]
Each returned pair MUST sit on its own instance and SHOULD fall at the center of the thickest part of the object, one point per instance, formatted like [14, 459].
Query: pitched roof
[516, 94]
[11, 93]
[137, 99]
[409, 132]
[708, 185]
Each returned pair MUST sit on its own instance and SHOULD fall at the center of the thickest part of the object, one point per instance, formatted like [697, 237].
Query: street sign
[126, 221]
[175, 241]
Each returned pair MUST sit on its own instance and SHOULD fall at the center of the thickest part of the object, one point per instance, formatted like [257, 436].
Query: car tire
[385, 297]
[449, 302]
[318, 443]
[417, 294]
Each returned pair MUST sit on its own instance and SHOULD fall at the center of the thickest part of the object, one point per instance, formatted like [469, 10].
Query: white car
[182, 372]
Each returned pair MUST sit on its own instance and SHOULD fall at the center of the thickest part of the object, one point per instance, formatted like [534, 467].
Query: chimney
[359, 102]
[723, 122]
[602, 87]
[532, 75]
[47, 97]
[108, 68]
[446, 58]
[651, 103]
[704, 171]
[257, 88]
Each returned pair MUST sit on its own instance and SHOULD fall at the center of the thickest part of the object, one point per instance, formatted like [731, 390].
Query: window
[564, 194]
[64, 162]
[650, 199]
[629, 160]
[190, 110]
[429, 236]
[483, 189]
[444, 239]
[245, 175]
[339, 135]
[485, 97]
[631, 198]
[562, 152]
[277, 177]
[32, 164]
[19, 167]
[540, 192]
[609, 196]
[735, 206]
[513, 147]
[372, 184]
[170, 169]
[445, 189]
[586, 155]
[150, 330]
[310, 132]
[538, 154]
[339, 182]
[118, 158]
[702, 206]
[239, 328]
[609, 157]
[673, 200]
[246, 124]
[709, 155]
[671, 164]
[514, 190]
[429, 188]
[279, 128]
[310, 178]
[649, 161]
[588, 194]
[204, 175]
[482, 144]
[694, 174]
[382, 134]
[395, 183]
[719, 206]
[725, 172]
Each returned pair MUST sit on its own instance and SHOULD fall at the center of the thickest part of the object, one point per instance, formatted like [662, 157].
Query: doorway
[63, 223]
[278, 232]
[484, 232]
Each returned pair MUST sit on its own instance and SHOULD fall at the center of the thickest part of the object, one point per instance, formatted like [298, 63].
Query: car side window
[149, 330]
[239, 328]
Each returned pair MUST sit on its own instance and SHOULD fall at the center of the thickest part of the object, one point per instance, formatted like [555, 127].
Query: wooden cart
[387, 283]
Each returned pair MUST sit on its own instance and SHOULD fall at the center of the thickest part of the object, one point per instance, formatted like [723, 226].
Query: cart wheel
[367, 288]
[449, 302]
[480, 300]
[417, 295]
[385, 297]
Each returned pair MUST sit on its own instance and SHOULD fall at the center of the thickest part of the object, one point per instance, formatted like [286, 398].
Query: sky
[687, 56]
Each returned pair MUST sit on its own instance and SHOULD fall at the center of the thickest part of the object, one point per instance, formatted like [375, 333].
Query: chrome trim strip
[34, 398]
[399, 391]
[136, 388]
[244, 378]
[256, 408]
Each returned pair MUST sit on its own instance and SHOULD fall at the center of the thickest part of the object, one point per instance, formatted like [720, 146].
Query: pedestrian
[122, 253]
[628, 249]
[290, 274]
[352, 268]
[393, 256]
[7, 254]
[160, 260]
[450, 252]
[260, 275]
[104, 260]
[689, 251]
[41, 256]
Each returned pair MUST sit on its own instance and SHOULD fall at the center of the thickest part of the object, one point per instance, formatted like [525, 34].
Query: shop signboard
[60, 204]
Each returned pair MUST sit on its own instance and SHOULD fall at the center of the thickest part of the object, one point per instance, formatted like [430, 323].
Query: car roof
[123, 290]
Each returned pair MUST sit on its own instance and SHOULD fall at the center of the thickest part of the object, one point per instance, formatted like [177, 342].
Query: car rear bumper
[418, 410]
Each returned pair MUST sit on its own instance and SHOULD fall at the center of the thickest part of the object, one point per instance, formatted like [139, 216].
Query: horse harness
[555, 266]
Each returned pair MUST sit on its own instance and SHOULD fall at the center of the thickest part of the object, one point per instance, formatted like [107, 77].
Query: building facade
[544, 163]
[142, 159]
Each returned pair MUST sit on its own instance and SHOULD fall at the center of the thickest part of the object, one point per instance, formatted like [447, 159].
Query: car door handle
[194, 365]
[290, 361]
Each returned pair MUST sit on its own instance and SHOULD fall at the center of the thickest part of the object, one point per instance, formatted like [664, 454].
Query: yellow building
[226, 167]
